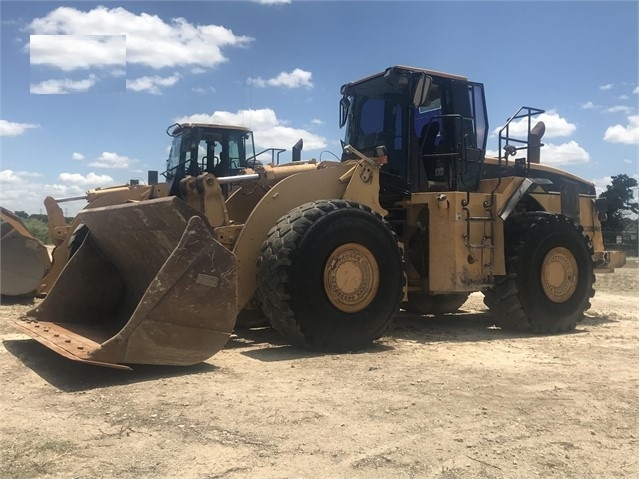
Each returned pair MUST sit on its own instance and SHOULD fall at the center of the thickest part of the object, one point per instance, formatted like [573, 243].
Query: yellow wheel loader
[414, 215]
[206, 144]
[23, 258]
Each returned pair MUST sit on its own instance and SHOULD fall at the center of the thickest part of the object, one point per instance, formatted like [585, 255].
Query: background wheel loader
[23, 258]
[414, 213]
[197, 148]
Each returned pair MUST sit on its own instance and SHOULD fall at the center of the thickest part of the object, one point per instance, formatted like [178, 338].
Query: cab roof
[213, 126]
[409, 69]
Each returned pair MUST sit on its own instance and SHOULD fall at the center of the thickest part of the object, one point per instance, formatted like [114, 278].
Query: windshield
[240, 148]
[217, 150]
[374, 122]
[174, 157]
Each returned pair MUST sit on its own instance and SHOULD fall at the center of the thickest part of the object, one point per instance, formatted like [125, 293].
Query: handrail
[273, 156]
[509, 149]
[529, 113]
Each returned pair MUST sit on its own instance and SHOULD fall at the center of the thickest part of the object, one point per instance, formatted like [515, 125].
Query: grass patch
[33, 457]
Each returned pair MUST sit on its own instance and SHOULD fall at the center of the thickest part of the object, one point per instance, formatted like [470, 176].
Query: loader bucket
[149, 285]
[23, 259]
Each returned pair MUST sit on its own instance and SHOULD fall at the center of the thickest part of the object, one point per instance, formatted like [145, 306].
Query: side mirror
[175, 130]
[420, 92]
[344, 108]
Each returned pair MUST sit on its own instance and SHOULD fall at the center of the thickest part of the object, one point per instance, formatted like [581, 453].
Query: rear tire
[425, 303]
[330, 275]
[549, 275]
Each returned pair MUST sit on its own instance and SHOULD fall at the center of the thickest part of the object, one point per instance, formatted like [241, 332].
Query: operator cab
[433, 125]
[198, 148]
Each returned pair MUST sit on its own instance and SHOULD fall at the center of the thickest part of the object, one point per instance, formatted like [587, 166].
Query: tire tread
[504, 298]
[276, 257]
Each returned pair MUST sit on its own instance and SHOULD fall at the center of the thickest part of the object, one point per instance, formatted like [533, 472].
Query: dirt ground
[449, 397]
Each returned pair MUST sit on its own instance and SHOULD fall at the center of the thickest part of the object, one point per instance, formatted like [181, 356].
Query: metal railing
[504, 134]
[275, 156]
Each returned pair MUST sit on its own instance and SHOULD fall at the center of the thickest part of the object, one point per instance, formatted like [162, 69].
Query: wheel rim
[351, 277]
[559, 275]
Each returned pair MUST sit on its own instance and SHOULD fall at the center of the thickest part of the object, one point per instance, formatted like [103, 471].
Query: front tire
[549, 275]
[330, 275]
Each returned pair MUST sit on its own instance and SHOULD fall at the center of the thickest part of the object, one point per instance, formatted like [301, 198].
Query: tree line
[37, 225]
[620, 230]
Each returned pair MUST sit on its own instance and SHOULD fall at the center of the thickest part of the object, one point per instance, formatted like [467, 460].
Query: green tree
[39, 229]
[620, 201]
[39, 217]
[22, 214]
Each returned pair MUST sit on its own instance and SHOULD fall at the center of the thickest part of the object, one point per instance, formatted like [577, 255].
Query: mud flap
[149, 285]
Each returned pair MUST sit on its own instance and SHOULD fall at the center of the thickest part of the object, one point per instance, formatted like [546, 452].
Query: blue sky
[88, 88]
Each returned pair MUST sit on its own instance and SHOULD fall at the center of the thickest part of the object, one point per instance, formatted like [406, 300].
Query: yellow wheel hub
[351, 277]
[559, 275]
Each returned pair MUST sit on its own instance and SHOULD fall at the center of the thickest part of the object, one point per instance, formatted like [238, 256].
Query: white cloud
[150, 41]
[607, 86]
[63, 86]
[269, 131]
[21, 190]
[295, 79]
[203, 90]
[151, 84]
[11, 128]
[636, 91]
[588, 105]
[628, 134]
[619, 109]
[112, 160]
[556, 126]
[624, 97]
[272, 2]
[565, 154]
[601, 184]
[70, 52]
[22, 195]
[9, 176]
[317, 121]
[89, 180]
[555, 155]
[77, 156]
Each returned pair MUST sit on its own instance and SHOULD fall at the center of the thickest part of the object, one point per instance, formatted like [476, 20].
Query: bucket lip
[60, 339]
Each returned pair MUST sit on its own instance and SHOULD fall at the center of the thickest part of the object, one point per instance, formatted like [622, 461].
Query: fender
[518, 194]
[334, 181]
